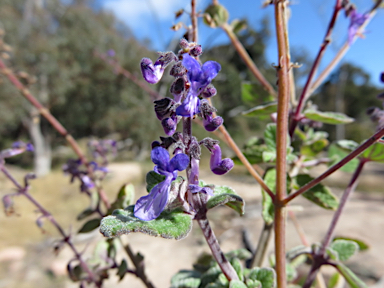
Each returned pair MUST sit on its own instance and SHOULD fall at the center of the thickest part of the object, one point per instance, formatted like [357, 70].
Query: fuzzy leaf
[210, 276]
[336, 153]
[327, 117]
[270, 139]
[374, 153]
[261, 111]
[345, 248]
[241, 254]
[314, 148]
[266, 276]
[186, 279]
[319, 194]
[236, 264]
[253, 283]
[362, 245]
[237, 284]
[350, 277]
[89, 226]
[169, 225]
[216, 15]
[238, 25]
[153, 179]
[224, 195]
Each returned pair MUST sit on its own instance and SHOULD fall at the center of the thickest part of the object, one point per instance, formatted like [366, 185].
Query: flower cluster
[190, 90]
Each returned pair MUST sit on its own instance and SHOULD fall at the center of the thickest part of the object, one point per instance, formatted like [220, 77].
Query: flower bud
[169, 126]
[218, 166]
[178, 70]
[196, 51]
[209, 91]
[212, 124]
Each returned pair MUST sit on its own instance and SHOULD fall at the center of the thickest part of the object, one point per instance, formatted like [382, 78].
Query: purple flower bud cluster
[191, 87]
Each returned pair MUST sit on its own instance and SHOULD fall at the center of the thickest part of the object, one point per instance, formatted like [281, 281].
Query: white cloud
[139, 13]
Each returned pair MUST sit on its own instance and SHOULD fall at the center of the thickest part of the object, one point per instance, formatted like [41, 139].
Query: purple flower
[218, 166]
[17, 148]
[199, 78]
[357, 19]
[149, 207]
[152, 72]
[111, 53]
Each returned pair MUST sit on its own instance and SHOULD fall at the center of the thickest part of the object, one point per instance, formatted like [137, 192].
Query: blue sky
[152, 19]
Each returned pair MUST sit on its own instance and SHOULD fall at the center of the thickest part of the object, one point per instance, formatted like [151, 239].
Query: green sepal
[261, 111]
[267, 276]
[186, 279]
[215, 15]
[125, 197]
[237, 284]
[224, 195]
[327, 117]
[319, 194]
[350, 277]
[90, 226]
[345, 249]
[170, 225]
[152, 178]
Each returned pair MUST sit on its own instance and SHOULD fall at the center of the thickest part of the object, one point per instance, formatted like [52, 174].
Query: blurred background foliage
[54, 44]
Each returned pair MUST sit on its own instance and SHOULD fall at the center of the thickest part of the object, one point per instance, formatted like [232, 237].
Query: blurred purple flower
[111, 53]
[149, 207]
[152, 72]
[356, 21]
[17, 148]
[199, 78]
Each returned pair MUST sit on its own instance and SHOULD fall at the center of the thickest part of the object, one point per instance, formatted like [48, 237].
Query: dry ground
[26, 258]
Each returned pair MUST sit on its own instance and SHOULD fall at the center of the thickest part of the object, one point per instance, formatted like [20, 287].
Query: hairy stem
[219, 256]
[376, 137]
[281, 143]
[247, 59]
[327, 39]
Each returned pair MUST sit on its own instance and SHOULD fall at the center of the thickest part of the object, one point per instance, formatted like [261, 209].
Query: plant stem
[55, 124]
[343, 201]
[340, 54]
[49, 216]
[194, 21]
[247, 59]
[319, 257]
[138, 265]
[327, 39]
[219, 256]
[262, 246]
[281, 142]
[337, 166]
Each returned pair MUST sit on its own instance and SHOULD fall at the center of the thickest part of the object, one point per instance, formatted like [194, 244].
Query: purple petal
[151, 73]
[197, 189]
[150, 207]
[218, 166]
[178, 162]
[192, 66]
[211, 124]
[169, 126]
[209, 71]
[189, 107]
[160, 157]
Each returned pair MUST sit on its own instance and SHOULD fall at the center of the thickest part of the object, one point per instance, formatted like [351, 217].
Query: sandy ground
[26, 258]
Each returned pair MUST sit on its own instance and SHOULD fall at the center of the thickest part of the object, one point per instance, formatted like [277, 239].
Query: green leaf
[261, 111]
[238, 268]
[186, 279]
[89, 226]
[241, 254]
[362, 245]
[336, 153]
[350, 277]
[334, 280]
[224, 195]
[215, 15]
[319, 194]
[266, 276]
[210, 276]
[348, 145]
[314, 148]
[237, 284]
[125, 197]
[374, 153]
[122, 270]
[345, 248]
[238, 25]
[153, 179]
[253, 151]
[169, 225]
[327, 117]
[253, 283]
